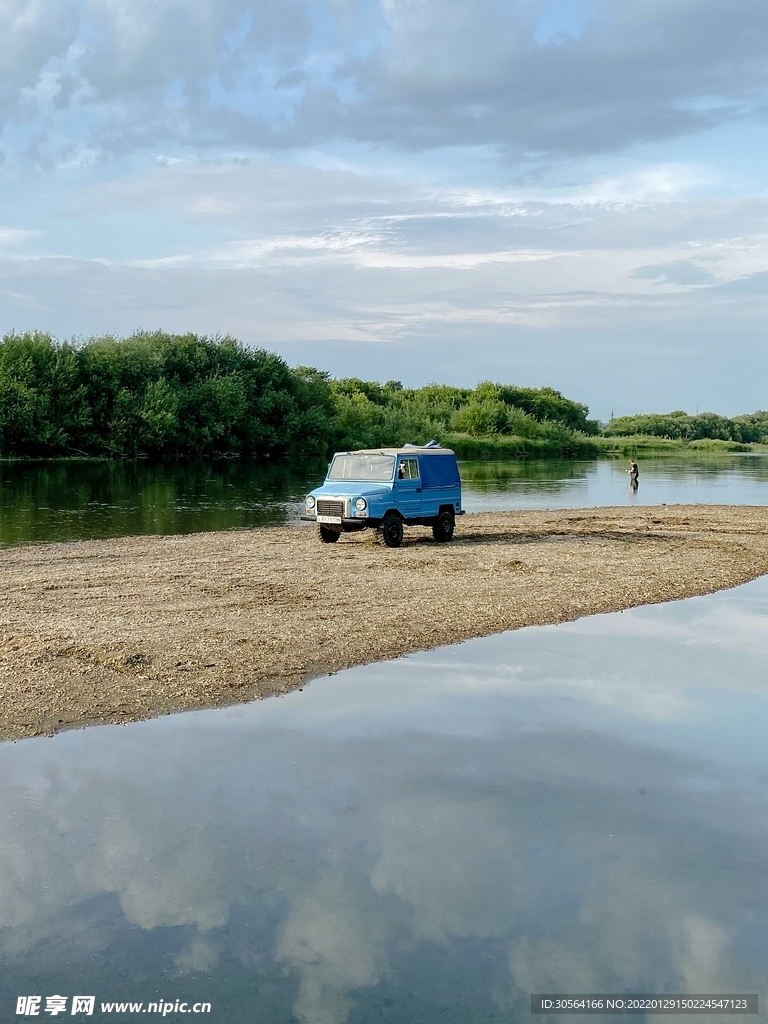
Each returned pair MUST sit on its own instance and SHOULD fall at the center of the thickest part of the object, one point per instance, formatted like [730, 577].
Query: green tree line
[168, 396]
[679, 426]
[165, 396]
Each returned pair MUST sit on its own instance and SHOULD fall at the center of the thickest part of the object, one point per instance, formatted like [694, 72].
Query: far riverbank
[598, 447]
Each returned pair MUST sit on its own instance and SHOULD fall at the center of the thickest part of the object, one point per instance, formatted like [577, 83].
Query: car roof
[412, 449]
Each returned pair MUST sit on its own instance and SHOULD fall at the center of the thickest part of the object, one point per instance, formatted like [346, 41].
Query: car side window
[408, 470]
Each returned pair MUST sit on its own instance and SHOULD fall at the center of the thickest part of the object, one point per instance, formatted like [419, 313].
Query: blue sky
[569, 192]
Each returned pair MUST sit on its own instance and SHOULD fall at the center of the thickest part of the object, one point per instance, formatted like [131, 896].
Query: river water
[57, 501]
[575, 808]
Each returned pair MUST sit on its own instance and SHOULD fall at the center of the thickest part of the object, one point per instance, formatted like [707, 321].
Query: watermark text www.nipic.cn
[35, 1006]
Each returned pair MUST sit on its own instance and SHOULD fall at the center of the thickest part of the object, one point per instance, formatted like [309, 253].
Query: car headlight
[361, 504]
[310, 501]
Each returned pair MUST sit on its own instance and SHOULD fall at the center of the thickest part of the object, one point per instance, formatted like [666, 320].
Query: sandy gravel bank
[112, 631]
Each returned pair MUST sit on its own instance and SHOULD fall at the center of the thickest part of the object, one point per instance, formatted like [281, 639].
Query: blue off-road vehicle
[387, 489]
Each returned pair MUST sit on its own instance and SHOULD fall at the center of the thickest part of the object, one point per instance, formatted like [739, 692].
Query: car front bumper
[363, 522]
[357, 523]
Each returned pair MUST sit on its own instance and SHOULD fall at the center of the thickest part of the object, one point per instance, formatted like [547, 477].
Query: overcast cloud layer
[545, 191]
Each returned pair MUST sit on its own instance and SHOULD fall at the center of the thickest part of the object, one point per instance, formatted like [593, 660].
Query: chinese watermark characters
[29, 1006]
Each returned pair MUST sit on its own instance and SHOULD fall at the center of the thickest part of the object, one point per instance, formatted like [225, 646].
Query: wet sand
[120, 630]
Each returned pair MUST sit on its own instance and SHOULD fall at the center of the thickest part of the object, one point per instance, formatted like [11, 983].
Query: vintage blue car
[387, 489]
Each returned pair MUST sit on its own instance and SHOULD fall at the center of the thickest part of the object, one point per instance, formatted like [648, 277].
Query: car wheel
[328, 536]
[392, 531]
[442, 527]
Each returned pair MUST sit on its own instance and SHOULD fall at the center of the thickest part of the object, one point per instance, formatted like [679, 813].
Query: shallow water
[59, 501]
[574, 808]
[689, 480]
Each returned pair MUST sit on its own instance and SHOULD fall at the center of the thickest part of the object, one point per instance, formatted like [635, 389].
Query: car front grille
[327, 507]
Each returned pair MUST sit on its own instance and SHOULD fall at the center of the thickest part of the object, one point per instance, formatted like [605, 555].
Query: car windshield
[362, 467]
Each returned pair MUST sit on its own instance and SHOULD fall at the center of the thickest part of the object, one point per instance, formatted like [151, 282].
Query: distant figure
[634, 475]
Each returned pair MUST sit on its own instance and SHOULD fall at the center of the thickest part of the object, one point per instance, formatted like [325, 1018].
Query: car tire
[392, 531]
[442, 527]
[328, 536]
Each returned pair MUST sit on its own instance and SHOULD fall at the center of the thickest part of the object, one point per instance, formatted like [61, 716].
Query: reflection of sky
[570, 808]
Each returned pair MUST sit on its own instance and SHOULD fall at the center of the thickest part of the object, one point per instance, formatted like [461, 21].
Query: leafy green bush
[496, 446]
[548, 404]
[370, 414]
[159, 395]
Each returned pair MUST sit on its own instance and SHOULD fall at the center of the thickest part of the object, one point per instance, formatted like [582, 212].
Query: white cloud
[334, 945]
[10, 236]
[180, 890]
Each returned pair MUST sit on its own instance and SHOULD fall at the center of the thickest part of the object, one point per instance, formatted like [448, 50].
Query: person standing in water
[634, 474]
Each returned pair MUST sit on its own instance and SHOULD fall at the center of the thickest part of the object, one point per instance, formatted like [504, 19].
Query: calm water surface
[58, 501]
[577, 808]
[708, 480]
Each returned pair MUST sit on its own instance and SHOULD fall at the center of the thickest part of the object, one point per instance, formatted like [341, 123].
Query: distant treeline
[184, 396]
[679, 426]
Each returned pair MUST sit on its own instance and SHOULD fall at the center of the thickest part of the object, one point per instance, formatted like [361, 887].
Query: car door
[408, 486]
